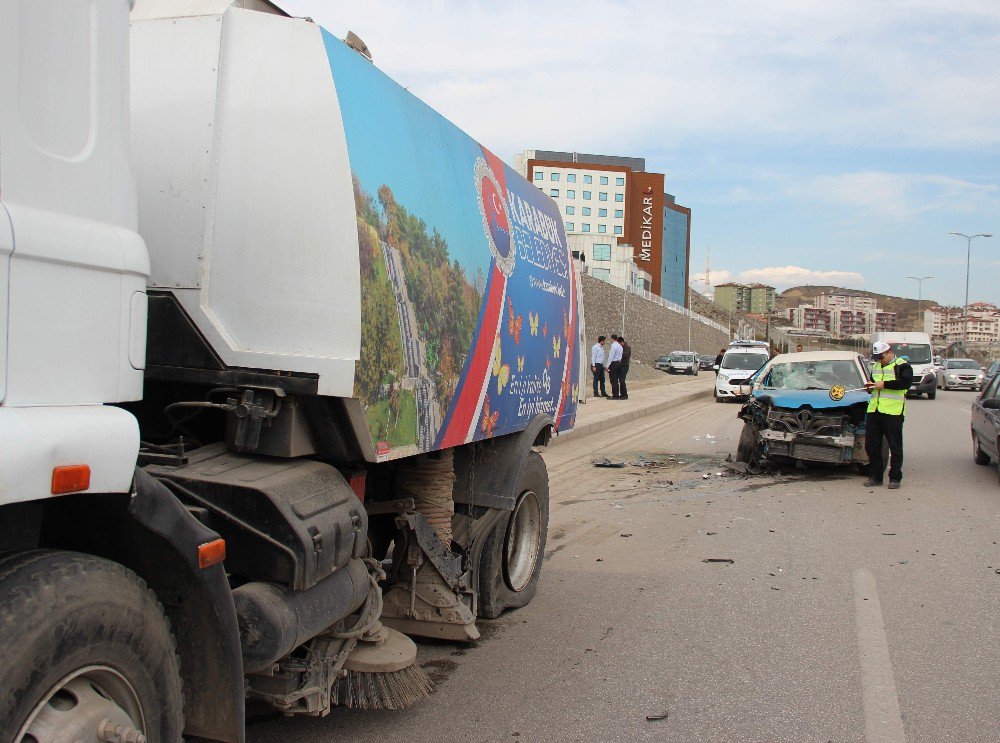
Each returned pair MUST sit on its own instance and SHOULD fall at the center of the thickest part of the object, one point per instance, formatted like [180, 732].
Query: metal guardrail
[679, 309]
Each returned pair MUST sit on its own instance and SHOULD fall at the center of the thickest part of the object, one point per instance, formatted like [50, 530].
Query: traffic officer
[892, 376]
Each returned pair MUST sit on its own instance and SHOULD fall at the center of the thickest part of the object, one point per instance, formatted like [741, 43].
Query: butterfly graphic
[514, 323]
[520, 363]
[556, 346]
[533, 322]
[500, 370]
[566, 324]
[545, 330]
[489, 419]
[576, 392]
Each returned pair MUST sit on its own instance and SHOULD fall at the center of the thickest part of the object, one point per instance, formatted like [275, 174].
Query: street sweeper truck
[278, 347]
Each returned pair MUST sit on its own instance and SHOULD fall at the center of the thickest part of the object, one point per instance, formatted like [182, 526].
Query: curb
[583, 431]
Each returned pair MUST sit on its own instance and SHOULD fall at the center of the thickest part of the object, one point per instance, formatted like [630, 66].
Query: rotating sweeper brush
[381, 673]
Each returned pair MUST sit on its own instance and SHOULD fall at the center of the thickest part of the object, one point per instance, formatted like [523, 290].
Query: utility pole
[920, 295]
[968, 260]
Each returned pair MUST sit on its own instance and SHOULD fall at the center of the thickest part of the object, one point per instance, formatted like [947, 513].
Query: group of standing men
[615, 361]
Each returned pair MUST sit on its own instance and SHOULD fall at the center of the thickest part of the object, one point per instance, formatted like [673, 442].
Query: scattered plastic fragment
[605, 462]
[658, 716]
[725, 560]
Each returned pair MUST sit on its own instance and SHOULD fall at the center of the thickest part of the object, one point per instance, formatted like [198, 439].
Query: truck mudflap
[200, 606]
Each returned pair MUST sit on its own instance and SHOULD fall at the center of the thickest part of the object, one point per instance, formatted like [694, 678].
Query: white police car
[740, 362]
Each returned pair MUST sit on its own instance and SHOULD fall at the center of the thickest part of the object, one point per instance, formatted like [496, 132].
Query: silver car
[960, 373]
[682, 362]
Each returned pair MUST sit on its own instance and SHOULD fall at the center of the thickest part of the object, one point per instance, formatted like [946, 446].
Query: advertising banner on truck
[468, 308]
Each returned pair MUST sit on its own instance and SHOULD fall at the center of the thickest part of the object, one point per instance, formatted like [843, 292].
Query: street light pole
[968, 259]
[920, 294]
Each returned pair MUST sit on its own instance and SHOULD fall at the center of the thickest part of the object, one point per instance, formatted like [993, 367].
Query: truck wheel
[746, 449]
[978, 455]
[512, 555]
[84, 642]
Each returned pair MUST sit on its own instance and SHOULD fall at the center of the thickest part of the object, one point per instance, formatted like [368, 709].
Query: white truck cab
[916, 349]
[72, 265]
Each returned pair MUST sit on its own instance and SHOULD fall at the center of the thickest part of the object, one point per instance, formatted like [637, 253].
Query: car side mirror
[746, 388]
[992, 404]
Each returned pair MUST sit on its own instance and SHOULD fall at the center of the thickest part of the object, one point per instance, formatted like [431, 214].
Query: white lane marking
[883, 723]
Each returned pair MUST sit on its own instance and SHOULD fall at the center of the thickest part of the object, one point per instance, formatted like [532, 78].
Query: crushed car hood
[816, 399]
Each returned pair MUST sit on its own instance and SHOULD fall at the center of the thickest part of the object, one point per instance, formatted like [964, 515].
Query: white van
[739, 363]
[916, 349]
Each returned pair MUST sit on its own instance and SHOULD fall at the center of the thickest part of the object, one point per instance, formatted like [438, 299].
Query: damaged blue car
[807, 407]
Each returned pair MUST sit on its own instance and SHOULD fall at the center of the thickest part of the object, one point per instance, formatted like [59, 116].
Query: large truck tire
[84, 641]
[512, 556]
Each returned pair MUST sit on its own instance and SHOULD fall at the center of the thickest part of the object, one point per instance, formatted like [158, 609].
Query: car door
[986, 420]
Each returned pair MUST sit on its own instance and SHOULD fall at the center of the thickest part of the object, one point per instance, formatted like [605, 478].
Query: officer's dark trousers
[878, 425]
[614, 369]
[622, 373]
[599, 380]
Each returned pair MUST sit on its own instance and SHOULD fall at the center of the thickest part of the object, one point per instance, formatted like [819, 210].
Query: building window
[570, 226]
[602, 196]
[618, 230]
[553, 192]
[571, 210]
[602, 212]
[602, 228]
[553, 176]
[586, 227]
[539, 175]
[602, 252]
[586, 211]
[586, 195]
[619, 214]
[619, 197]
[604, 180]
[588, 179]
[570, 193]
[601, 273]
[619, 181]
[571, 177]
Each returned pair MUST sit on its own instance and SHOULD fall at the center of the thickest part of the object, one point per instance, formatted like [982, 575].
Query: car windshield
[813, 375]
[915, 353]
[744, 361]
[963, 364]
[664, 358]
[682, 357]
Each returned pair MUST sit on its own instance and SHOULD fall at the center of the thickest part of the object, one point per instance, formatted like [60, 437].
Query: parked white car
[738, 365]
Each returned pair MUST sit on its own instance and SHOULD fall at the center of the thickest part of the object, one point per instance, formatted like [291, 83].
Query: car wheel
[748, 448]
[715, 394]
[978, 455]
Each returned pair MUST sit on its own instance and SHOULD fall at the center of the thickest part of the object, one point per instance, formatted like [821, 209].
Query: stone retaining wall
[651, 330]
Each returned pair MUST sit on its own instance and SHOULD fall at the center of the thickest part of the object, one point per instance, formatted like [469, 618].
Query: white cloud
[900, 195]
[550, 75]
[782, 277]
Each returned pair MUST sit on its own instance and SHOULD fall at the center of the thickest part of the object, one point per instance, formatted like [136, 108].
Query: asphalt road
[847, 614]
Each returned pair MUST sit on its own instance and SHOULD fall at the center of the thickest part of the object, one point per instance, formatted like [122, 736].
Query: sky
[815, 142]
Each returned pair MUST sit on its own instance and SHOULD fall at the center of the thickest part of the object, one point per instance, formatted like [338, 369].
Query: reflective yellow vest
[890, 402]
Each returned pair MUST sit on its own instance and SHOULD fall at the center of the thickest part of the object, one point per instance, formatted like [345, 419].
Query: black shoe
[871, 482]
[623, 397]
[894, 484]
[606, 396]
[614, 397]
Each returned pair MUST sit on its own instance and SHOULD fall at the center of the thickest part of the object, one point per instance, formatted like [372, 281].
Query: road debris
[605, 462]
[724, 560]
[658, 716]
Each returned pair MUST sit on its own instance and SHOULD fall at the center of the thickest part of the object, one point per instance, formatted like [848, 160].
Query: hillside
[905, 308]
